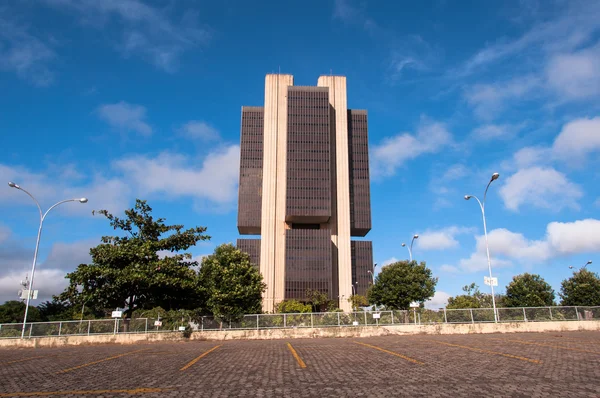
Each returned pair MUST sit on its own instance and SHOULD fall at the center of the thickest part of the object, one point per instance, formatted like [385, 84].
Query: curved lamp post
[37, 243]
[487, 248]
[411, 245]
[586, 264]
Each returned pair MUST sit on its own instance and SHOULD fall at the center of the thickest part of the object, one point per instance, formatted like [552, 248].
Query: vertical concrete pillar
[340, 220]
[272, 252]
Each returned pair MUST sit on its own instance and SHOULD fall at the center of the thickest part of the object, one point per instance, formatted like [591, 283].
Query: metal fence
[306, 320]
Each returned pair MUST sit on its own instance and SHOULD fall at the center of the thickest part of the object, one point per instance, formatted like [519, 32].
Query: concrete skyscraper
[304, 188]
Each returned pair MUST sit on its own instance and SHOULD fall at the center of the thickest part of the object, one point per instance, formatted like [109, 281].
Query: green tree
[230, 284]
[358, 301]
[13, 311]
[292, 306]
[132, 271]
[318, 300]
[474, 298]
[55, 310]
[400, 283]
[583, 288]
[529, 290]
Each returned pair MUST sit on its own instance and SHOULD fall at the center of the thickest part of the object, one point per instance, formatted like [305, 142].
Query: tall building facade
[304, 188]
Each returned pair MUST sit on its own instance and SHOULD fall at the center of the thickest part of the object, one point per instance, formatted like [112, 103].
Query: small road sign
[486, 280]
[117, 314]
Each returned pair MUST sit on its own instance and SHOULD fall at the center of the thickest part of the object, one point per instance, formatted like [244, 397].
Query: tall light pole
[487, 248]
[372, 273]
[411, 245]
[37, 243]
[586, 264]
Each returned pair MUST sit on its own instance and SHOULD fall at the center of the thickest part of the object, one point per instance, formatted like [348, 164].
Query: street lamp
[411, 245]
[37, 243]
[586, 264]
[487, 248]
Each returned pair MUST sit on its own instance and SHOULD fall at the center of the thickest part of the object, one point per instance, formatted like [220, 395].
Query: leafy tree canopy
[357, 301]
[230, 285]
[529, 290]
[400, 283]
[132, 271]
[583, 288]
[474, 298]
[13, 311]
[291, 306]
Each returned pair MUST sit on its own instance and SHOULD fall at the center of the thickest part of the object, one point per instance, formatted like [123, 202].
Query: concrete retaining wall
[274, 334]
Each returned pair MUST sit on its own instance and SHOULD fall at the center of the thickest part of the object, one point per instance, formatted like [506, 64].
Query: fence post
[115, 328]
[202, 324]
[338, 319]
[550, 308]
[445, 317]
[577, 313]
[284, 321]
[392, 311]
[89, 326]
[257, 322]
[59, 327]
[524, 315]
[471, 311]
[146, 329]
[365, 317]
[311, 321]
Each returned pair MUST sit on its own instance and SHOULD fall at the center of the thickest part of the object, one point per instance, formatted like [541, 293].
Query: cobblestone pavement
[565, 364]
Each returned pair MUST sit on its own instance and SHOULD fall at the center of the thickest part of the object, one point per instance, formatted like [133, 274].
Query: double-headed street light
[586, 264]
[37, 243]
[482, 206]
[411, 245]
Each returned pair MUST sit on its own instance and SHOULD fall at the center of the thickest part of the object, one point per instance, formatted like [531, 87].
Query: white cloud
[455, 172]
[439, 300]
[198, 130]
[561, 239]
[144, 30]
[489, 100]
[110, 194]
[514, 245]
[444, 238]
[48, 282]
[576, 25]
[393, 152]
[175, 175]
[575, 75]
[389, 261]
[542, 187]
[577, 139]
[531, 156]
[125, 117]
[489, 132]
[582, 236]
[451, 269]
[24, 54]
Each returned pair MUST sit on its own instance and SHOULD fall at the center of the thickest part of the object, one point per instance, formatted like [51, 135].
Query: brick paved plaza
[556, 364]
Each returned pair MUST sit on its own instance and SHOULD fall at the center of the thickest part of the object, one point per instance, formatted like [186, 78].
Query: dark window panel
[251, 159]
[358, 152]
[308, 262]
[252, 247]
[362, 263]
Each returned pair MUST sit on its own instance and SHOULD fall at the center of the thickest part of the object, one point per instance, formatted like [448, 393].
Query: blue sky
[119, 99]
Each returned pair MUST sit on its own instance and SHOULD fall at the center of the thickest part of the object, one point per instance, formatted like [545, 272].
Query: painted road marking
[489, 352]
[24, 359]
[548, 345]
[295, 354]
[101, 360]
[81, 392]
[193, 361]
[391, 353]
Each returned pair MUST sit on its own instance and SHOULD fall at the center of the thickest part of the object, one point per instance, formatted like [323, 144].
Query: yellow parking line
[81, 392]
[489, 352]
[295, 354]
[391, 353]
[101, 360]
[548, 345]
[193, 361]
[23, 360]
